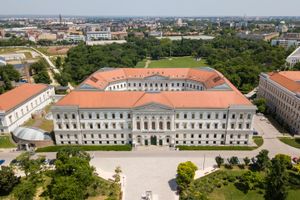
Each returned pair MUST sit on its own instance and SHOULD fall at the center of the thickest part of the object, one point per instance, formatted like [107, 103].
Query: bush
[87, 148]
[228, 166]
[25, 190]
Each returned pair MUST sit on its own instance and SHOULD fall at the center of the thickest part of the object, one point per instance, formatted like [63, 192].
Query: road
[155, 169]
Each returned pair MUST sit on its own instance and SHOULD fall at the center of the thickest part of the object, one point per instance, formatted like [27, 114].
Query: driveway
[155, 169]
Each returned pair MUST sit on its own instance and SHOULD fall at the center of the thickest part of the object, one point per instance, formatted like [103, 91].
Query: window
[92, 135]
[128, 116]
[248, 126]
[121, 116]
[177, 125]
[232, 126]
[73, 116]
[98, 116]
[169, 125]
[115, 135]
[208, 126]
[240, 126]
[90, 116]
[161, 126]
[193, 115]
[61, 136]
[233, 116]
[74, 126]
[207, 135]
[91, 126]
[249, 116]
[99, 126]
[57, 116]
[82, 116]
[84, 135]
[216, 125]
[177, 136]
[215, 135]
[217, 115]
[113, 115]
[192, 135]
[83, 125]
[122, 135]
[201, 116]
[138, 125]
[231, 136]
[67, 126]
[185, 116]
[153, 126]
[177, 116]
[241, 116]
[192, 125]
[208, 116]
[146, 125]
[107, 135]
[224, 126]
[200, 125]
[59, 126]
[224, 116]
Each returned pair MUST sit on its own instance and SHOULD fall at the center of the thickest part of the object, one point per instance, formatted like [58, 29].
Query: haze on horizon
[152, 7]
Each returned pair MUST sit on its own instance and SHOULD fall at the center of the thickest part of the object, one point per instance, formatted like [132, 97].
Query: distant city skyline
[151, 8]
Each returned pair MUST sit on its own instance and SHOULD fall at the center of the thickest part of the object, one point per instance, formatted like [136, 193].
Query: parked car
[2, 161]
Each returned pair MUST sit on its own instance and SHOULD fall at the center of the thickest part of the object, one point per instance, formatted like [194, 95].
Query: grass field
[5, 142]
[294, 142]
[174, 62]
[258, 140]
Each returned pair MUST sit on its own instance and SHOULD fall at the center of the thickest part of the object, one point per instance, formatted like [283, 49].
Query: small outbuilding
[28, 138]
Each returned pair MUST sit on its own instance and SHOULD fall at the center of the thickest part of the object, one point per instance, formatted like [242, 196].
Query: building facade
[294, 58]
[282, 92]
[18, 104]
[154, 106]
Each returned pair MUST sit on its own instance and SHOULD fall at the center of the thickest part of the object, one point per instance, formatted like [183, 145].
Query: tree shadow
[172, 184]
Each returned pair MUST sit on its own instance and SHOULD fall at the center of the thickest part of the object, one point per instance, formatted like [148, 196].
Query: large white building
[154, 106]
[294, 58]
[18, 104]
[282, 92]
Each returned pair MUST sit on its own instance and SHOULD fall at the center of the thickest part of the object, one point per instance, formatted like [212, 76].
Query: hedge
[87, 148]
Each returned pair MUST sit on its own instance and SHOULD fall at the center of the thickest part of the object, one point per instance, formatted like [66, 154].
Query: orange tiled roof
[288, 79]
[19, 95]
[100, 79]
[178, 99]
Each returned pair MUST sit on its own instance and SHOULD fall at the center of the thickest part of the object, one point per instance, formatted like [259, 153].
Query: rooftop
[101, 79]
[174, 99]
[20, 94]
[288, 79]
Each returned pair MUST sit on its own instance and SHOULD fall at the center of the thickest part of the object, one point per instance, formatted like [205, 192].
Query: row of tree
[39, 71]
[238, 59]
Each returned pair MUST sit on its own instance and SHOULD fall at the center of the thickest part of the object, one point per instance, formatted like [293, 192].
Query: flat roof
[19, 95]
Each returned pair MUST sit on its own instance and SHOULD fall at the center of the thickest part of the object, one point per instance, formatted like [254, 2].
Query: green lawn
[5, 142]
[87, 148]
[174, 62]
[230, 192]
[258, 140]
[294, 142]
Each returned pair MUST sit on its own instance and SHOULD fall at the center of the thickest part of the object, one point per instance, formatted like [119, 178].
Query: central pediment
[153, 106]
[156, 77]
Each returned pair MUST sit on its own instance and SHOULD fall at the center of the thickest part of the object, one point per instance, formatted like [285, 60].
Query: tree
[276, 181]
[25, 190]
[246, 161]
[249, 181]
[8, 180]
[58, 62]
[234, 160]
[261, 104]
[185, 174]
[219, 161]
[66, 188]
[262, 160]
[42, 77]
[285, 159]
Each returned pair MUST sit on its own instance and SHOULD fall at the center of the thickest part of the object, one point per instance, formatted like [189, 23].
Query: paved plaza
[154, 168]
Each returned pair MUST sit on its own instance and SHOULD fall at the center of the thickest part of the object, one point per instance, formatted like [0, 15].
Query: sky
[151, 7]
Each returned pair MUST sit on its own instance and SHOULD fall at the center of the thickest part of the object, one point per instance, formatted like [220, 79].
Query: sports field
[174, 62]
